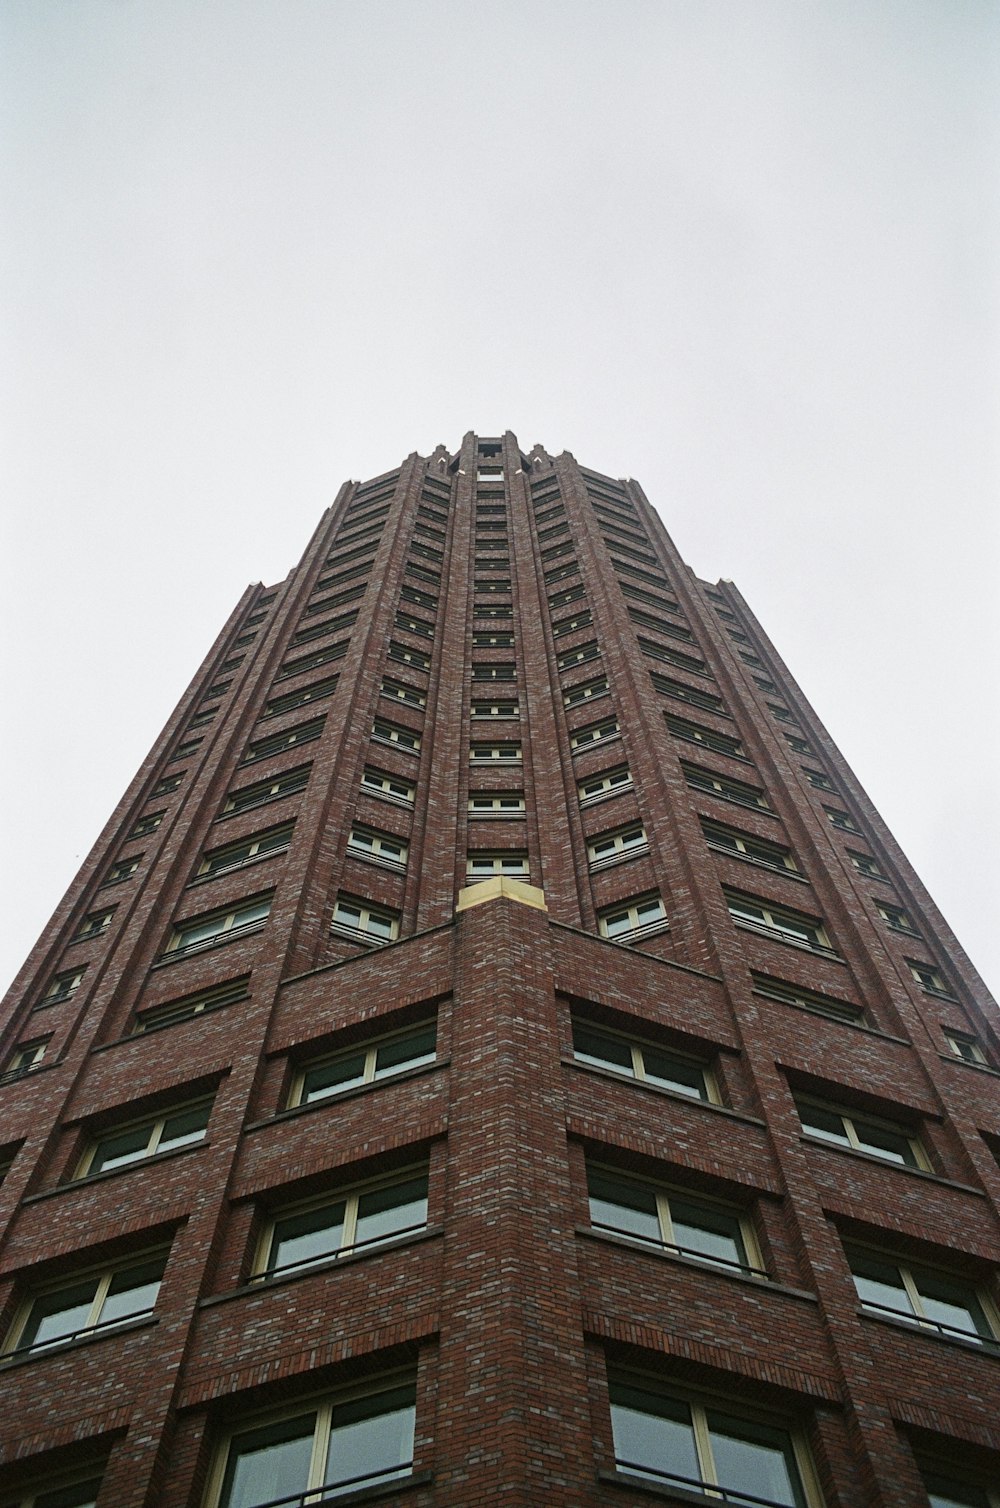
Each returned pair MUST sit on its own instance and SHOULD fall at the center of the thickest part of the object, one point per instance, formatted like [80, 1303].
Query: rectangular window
[671, 1220]
[202, 931]
[388, 787]
[723, 786]
[595, 733]
[483, 866]
[94, 924]
[578, 656]
[328, 626]
[412, 625]
[493, 641]
[268, 790]
[98, 1301]
[391, 733]
[585, 691]
[643, 1061]
[356, 1440]
[742, 845]
[312, 661]
[506, 672]
[367, 1063]
[633, 919]
[167, 784]
[692, 695]
[896, 918]
[866, 865]
[182, 1126]
[563, 599]
[496, 803]
[807, 1000]
[78, 1493]
[904, 1290]
[503, 753]
[123, 869]
[817, 779]
[570, 625]
[356, 1221]
[197, 1004]
[495, 709]
[708, 738]
[690, 663]
[147, 824]
[969, 1049]
[841, 820]
[383, 848]
[407, 656]
[302, 734]
[25, 1059]
[930, 978]
[950, 1486]
[609, 784]
[63, 986]
[675, 1441]
[758, 915]
[421, 599]
[400, 692]
[861, 1133]
[235, 855]
[365, 921]
[292, 699]
[800, 745]
[626, 842]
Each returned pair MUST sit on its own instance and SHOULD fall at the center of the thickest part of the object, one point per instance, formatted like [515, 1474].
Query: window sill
[951, 1057]
[629, 939]
[381, 1490]
[885, 1162]
[597, 866]
[89, 1179]
[196, 949]
[329, 1264]
[619, 790]
[394, 866]
[989, 1348]
[60, 1348]
[347, 1094]
[756, 1280]
[598, 743]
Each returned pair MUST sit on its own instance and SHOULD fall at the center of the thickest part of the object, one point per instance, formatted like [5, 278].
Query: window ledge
[597, 866]
[981, 1348]
[619, 790]
[59, 1348]
[660, 1089]
[195, 949]
[394, 866]
[898, 1167]
[662, 1490]
[218, 874]
[598, 743]
[788, 942]
[757, 1280]
[329, 1264]
[951, 1057]
[104, 1175]
[348, 1094]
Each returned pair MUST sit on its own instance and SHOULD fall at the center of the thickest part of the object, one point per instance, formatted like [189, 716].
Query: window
[122, 870]
[365, 1064]
[268, 790]
[569, 625]
[355, 1440]
[672, 1220]
[179, 1127]
[203, 931]
[496, 803]
[643, 1061]
[63, 986]
[192, 1005]
[147, 824]
[358, 1219]
[595, 733]
[507, 753]
[302, 734]
[817, 779]
[924, 1297]
[495, 709]
[403, 693]
[490, 474]
[929, 978]
[494, 672]
[861, 1133]
[722, 785]
[314, 693]
[81, 1493]
[746, 846]
[389, 787]
[807, 1000]
[966, 1048]
[25, 1059]
[841, 820]
[625, 843]
[570, 657]
[778, 921]
[390, 733]
[483, 866]
[418, 626]
[952, 1488]
[597, 786]
[407, 656]
[95, 1302]
[167, 784]
[800, 745]
[694, 733]
[632, 919]
[678, 1442]
[866, 865]
[382, 847]
[95, 924]
[896, 918]
[585, 691]
[234, 855]
[364, 921]
[690, 694]
[493, 641]
[183, 750]
[563, 599]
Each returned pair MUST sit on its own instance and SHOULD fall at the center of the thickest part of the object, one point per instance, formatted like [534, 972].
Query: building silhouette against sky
[496, 1054]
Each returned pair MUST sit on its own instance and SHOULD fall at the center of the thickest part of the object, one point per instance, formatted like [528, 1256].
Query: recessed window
[806, 999]
[407, 656]
[817, 779]
[95, 924]
[490, 474]
[861, 1133]
[483, 866]
[365, 1064]
[632, 920]
[358, 1220]
[866, 865]
[196, 1004]
[356, 1440]
[182, 1126]
[147, 824]
[578, 656]
[951, 1487]
[167, 784]
[384, 848]
[418, 626]
[508, 753]
[626, 842]
[25, 1059]
[708, 738]
[494, 673]
[235, 855]
[80, 1493]
[700, 779]
[403, 693]
[390, 787]
[843, 821]
[314, 693]
[778, 921]
[671, 1220]
[595, 733]
[930, 978]
[302, 734]
[63, 986]
[965, 1047]
[365, 922]
[203, 931]
[933, 1300]
[643, 1061]
[391, 733]
[493, 641]
[96, 1302]
[896, 918]
[747, 846]
[585, 691]
[496, 803]
[675, 1441]
[124, 869]
[570, 625]
[607, 784]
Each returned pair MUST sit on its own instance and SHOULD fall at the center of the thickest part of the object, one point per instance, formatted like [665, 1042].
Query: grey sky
[746, 252]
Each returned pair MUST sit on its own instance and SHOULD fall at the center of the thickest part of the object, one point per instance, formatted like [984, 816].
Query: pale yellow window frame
[105, 1275]
[370, 1047]
[636, 1046]
[663, 1194]
[351, 1195]
[855, 1141]
[156, 1125]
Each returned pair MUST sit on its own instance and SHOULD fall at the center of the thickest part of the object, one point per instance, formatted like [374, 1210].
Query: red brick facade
[511, 675]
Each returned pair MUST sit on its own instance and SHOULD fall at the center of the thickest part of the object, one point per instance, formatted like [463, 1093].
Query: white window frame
[399, 691]
[736, 791]
[400, 738]
[896, 918]
[496, 803]
[376, 847]
[929, 978]
[171, 1011]
[507, 752]
[242, 917]
[608, 784]
[595, 733]
[63, 985]
[636, 1049]
[627, 842]
[368, 911]
[782, 923]
[273, 841]
[387, 787]
[482, 710]
[586, 691]
[370, 1073]
[156, 1126]
[966, 1048]
[512, 862]
[633, 911]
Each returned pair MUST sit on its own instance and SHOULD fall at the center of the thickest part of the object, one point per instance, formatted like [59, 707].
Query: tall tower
[496, 1054]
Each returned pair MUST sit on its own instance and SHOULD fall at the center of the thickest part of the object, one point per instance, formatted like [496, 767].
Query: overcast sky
[746, 252]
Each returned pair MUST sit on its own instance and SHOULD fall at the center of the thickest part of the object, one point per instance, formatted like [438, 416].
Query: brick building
[496, 1054]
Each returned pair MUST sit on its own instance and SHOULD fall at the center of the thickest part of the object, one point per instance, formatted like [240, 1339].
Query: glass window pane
[595, 1047]
[184, 1127]
[80, 1495]
[268, 1463]
[333, 1078]
[384, 1212]
[116, 1151]
[943, 1493]
[405, 1052]
[381, 926]
[616, 1204]
[705, 1232]
[880, 1285]
[825, 1123]
[950, 1304]
[752, 1460]
[371, 1439]
[309, 1237]
[674, 1073]
[132, 1292]
[653, 1436]
[57, 1315]
[891, 1145]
